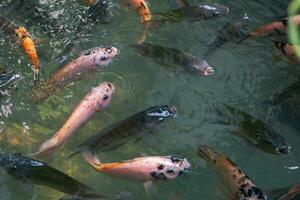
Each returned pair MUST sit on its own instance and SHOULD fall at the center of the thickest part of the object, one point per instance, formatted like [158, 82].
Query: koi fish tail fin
[47, 150]
[207, 153]
[91, 158]
[145, 12]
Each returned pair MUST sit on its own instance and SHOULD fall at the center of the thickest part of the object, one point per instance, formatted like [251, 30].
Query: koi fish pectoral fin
[91, 158]
[150, 187]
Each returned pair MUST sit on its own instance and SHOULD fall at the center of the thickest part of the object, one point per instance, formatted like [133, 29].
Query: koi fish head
[201, 67]
[160, 113]
[170, 168]
[101, 56]
[21, 32]
[274, 143]
[104, 93]
[213, 8]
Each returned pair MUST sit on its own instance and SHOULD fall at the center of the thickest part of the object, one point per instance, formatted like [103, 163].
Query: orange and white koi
[145, 169]
[139, 5]
[28, 46]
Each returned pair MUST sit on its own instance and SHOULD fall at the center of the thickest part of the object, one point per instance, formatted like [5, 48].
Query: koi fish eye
[108, 49]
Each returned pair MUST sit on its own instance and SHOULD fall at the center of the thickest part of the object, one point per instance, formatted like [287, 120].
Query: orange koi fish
[238, 186]
[274, 28]
[28, 46]
[139, 5]
[148, 170]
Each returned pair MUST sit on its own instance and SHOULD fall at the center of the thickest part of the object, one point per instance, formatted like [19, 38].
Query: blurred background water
[246, 75]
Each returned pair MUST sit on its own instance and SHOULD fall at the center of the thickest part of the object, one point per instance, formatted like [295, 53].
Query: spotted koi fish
[238, 185]
[90, 61]
[144, 169]
[139, 5]
[28, 46]
[287, 50]
[96, 100]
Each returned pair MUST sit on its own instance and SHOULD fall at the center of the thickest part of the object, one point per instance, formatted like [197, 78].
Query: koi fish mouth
[284, 150]
[208, 71]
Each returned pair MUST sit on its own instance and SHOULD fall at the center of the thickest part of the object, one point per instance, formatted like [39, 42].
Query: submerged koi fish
[175, 58]
[200, 11]
[255, 131]
[28, 46]
[90, 61]
[235, 31]
[118, 134]
[139, 5]
[32, 171]
[287, 50]
[144, 169]
[238, 185]
[96, 100]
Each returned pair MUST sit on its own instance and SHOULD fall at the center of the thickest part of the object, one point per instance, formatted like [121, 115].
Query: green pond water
[245, 76]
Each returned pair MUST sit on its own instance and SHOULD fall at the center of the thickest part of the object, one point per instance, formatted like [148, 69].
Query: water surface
[246, 75]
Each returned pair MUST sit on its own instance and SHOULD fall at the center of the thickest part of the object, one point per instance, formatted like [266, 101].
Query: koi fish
[235, 31]
[139, 5]
[90, 61]
[255, 131]
[144, 169]
[200, 11]
[238, 185]
[117, 134]
[96, 100]
[287, 50]
[175, 58]
[39, 173]
[28, 46]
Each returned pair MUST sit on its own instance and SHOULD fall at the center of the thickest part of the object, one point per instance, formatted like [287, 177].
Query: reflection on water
[246, 75]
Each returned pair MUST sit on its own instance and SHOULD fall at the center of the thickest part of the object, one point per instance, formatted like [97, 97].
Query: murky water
[245, 76]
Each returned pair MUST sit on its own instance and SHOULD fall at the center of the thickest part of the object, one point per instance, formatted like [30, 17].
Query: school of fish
[150, 170]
